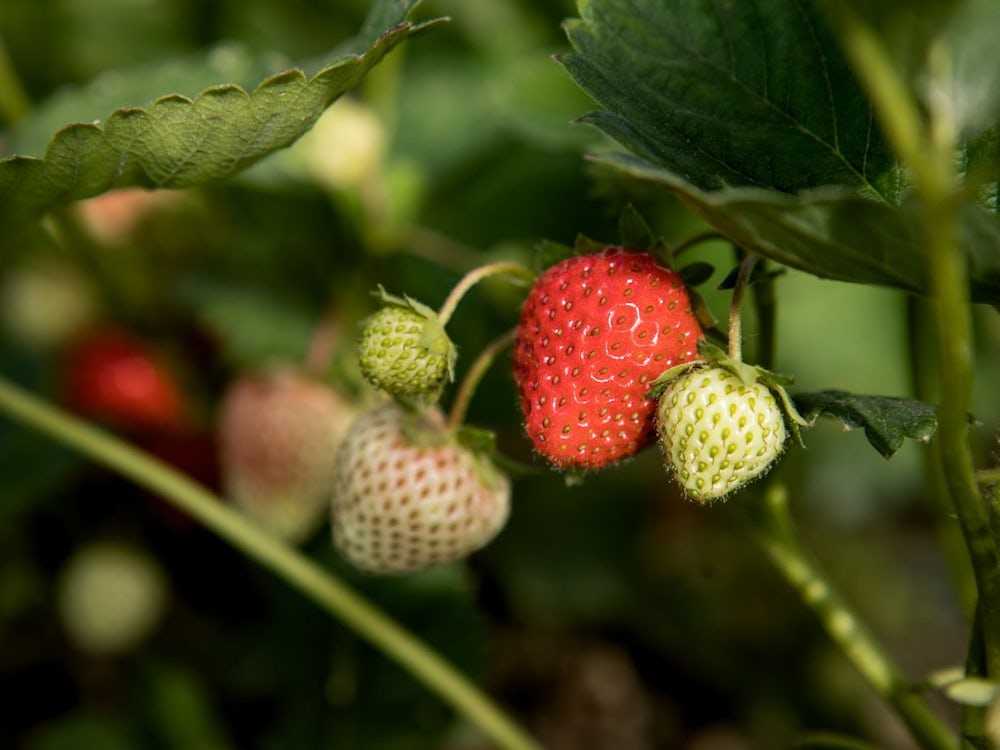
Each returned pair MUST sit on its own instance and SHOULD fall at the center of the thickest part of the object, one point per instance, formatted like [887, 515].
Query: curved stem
[474, 277]
[696, 239]
[928, 150]
[475, 374]
[295, 568]
[775, 530]
[323, 343]
[735, 319]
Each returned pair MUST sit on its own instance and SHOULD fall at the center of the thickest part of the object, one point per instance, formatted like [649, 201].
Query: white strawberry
[407, 495]
[110, 597]
[718, 432]
[278, 435]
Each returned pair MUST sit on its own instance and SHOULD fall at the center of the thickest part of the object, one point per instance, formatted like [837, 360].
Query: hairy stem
[775, 530]
[474, 277]
[928, 150]
[735, 318]
[295, 568]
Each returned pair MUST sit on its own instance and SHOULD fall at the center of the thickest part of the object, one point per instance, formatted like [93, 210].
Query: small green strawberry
[405, 351]
[721, 424]
[406, 495]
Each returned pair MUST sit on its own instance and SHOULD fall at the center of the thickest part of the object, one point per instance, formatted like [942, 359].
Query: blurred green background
[612, 614]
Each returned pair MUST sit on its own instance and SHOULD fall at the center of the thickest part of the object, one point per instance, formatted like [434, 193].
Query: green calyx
[749, 375]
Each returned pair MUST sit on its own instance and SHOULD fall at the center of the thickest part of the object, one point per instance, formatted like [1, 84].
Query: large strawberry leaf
[748, 113]
[833, 232]
[178, 142]
[887, 420]
[727, 93]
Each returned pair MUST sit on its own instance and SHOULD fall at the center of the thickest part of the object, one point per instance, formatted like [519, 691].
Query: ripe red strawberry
[278, 434]
[114, 377]
[595, 331]
[407, 495]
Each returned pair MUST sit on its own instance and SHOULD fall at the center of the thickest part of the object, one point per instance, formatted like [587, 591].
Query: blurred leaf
[180, 708]
[727, 94]
[833, 233]
[83, 731]
[32, 465]
[179, 142]
[253, 326]
[887, 420]
[962, 31]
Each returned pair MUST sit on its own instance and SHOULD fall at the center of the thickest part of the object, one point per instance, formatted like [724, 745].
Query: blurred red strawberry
[114, 377]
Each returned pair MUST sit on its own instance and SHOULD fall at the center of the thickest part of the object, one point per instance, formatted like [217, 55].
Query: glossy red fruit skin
[594, 332]
[112, 376]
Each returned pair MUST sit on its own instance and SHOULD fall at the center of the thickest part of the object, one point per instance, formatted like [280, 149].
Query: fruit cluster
[609, 356]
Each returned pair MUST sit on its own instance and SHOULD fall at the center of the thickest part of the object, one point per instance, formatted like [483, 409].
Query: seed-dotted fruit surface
[405, 352]
[406, 496]
[594, 332]
[278, 434]
[717, 432]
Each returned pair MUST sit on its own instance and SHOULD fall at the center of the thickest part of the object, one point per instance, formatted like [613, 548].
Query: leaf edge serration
[85, 159]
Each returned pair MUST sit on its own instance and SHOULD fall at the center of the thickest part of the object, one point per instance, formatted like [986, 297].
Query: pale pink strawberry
[407, 495]
[278, 435]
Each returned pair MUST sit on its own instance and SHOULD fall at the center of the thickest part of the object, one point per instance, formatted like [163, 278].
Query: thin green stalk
[295, 568]
[923, 365]
[474, 277]
[928, 150]
[775, 530]
[735, 319]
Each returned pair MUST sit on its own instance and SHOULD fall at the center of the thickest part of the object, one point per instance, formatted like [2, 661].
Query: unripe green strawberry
[405, 351]
[594, 332]
[407, 495]
[278, 434]
[718, 432]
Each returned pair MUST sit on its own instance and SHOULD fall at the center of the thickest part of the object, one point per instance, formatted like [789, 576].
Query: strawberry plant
[533, 374]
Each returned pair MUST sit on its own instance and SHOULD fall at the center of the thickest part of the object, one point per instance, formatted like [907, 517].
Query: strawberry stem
[707, 235]
[477, 370]
[323, 343]
[774, 528]
[474, 277]
[296, 569]
[923, 132]
[735, 320]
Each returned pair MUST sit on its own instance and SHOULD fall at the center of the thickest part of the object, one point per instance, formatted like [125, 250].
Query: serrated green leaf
[136, 87]
[833, 232]
[887, 420]
[729, 93]
[179, 142]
